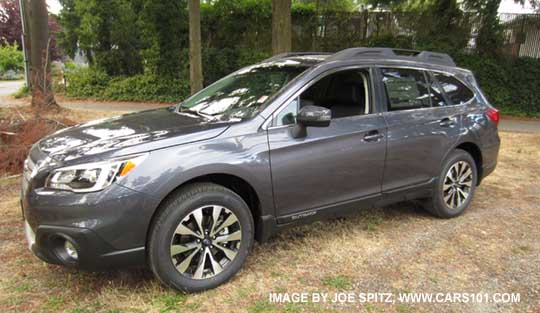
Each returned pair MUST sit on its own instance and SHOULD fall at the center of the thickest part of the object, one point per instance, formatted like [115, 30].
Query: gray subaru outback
[296, 138]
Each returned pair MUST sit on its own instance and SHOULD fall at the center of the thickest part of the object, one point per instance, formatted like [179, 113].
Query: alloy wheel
[457, 184]
[205, 242]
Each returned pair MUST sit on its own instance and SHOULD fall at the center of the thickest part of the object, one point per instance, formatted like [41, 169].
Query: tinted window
[456, 91]
[346, 93]
[406, 89]
[437, 97]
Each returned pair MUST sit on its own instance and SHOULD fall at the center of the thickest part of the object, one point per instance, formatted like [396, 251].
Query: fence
[522, 34]
[338, 30]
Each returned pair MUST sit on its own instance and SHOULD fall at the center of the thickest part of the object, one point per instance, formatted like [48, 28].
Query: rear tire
[200, 238]
[455, 187]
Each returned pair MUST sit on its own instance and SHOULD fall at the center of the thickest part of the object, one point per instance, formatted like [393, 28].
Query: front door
[334, 164]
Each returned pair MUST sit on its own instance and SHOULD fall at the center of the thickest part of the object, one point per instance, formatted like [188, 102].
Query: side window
[287, 116]
[406, 89]
[345, 93]
[456, 91]
[437, 97]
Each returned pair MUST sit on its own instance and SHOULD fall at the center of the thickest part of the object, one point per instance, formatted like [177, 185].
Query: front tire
[201, 237]
[455, 187]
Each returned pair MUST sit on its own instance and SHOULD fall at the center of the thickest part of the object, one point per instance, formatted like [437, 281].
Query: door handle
[447, 122]
[373, 136]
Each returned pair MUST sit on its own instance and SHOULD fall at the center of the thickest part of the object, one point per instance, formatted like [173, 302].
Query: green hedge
[90, 82]
[146, 88]
[84, 83]
[511, 85]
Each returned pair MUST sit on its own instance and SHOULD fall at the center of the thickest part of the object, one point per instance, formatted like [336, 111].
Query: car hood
[129, 133]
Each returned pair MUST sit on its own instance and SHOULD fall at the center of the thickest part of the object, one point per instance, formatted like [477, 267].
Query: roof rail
[294, 54]
[403, 54]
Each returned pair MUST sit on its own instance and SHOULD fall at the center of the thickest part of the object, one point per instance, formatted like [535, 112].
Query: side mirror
[314, 116]
[310, 116]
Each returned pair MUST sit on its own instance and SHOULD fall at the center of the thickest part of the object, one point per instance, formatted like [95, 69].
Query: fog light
[70, 250]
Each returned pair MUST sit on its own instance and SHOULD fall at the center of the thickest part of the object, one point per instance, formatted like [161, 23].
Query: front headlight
[91, 177]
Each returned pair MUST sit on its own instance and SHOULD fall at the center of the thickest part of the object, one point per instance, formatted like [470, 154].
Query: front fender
[245, 157]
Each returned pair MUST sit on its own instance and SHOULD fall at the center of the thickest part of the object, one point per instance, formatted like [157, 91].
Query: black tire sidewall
[172, 215]
[442, 209]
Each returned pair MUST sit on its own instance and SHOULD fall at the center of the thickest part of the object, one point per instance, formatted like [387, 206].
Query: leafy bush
[22, 92]
[510, 85]
[146, 87]
[86, 82]
[11, 62]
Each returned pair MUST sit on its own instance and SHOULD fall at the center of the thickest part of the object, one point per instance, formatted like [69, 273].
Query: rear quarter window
[454, 89]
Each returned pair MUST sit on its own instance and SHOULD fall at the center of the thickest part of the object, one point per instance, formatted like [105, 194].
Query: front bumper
[108, 228]
[94, 254]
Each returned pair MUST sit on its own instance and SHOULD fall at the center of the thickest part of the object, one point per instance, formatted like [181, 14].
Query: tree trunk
[42, 94]
[281, 26]
[195, 62]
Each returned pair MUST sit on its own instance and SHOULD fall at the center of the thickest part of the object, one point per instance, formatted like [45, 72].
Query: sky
[507, 6]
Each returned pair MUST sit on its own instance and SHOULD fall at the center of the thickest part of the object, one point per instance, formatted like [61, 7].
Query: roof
[313, 58]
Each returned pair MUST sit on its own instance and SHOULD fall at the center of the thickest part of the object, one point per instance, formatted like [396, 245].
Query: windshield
[243, 94]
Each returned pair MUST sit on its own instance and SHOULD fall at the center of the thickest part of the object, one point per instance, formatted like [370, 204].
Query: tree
[281, 26]
[11, 26]
[164, 27]
[40, 68]
[490, 38]
[106, 30]
[195, 59]
[10, 22]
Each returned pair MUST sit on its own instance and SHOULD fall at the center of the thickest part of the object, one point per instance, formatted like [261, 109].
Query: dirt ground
[493, 248]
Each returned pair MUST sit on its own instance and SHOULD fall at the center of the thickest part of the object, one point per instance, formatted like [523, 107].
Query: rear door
[422, 126]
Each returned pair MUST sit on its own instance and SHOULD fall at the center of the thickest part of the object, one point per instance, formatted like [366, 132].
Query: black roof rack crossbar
[403, 54]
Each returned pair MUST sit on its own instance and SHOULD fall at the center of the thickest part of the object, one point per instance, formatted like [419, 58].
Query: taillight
[493, 115]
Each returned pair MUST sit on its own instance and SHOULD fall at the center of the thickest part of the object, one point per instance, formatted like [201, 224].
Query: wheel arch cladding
[229, 181]
[476, 154]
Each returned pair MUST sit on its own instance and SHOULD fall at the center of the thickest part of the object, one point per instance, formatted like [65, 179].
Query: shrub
[511, 85]
[86, 82]
[11, 62]
[22, 92]
[146, 87]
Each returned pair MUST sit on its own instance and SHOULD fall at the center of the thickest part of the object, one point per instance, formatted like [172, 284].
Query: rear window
[456, 91]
